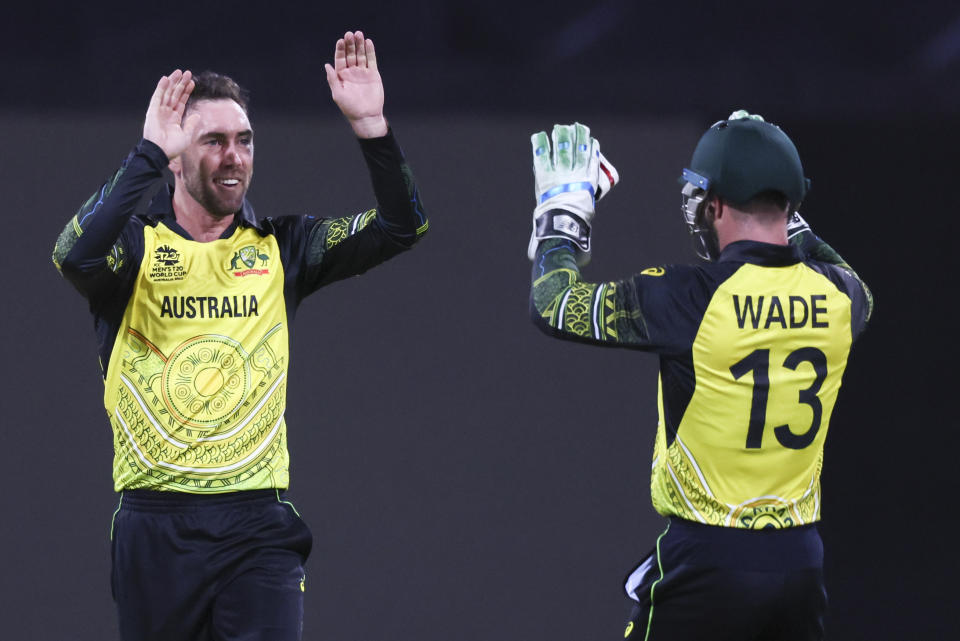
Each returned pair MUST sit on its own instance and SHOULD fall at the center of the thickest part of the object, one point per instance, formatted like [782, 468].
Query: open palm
[355, 83]
[164, 124]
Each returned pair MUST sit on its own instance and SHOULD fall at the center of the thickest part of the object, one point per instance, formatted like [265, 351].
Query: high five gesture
[164, 124]
[356, 86]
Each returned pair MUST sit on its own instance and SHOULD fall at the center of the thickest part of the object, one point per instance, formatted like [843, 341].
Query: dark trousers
[706, 582]
[225, 567]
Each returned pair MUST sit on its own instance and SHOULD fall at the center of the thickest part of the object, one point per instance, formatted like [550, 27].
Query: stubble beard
[201, 188]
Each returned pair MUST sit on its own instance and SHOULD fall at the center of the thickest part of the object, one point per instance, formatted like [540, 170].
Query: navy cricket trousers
[226, 567]
[726, 584]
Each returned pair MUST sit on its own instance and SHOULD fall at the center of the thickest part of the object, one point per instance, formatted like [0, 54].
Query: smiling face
[216, 169]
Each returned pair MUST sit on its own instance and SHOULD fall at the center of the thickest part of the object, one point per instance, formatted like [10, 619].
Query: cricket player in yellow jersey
[752, 345]
[192, 297]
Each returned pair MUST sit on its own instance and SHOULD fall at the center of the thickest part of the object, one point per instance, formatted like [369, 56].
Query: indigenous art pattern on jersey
[197, 378]
[752, 353]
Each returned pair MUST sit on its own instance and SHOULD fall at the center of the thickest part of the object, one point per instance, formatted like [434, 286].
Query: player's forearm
[565, 306]
[555, 270]
[347, 246]
[88, 239]
[400, 213]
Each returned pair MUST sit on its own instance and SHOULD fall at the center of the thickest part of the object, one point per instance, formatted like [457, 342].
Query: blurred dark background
[465, 476]
[857, 60]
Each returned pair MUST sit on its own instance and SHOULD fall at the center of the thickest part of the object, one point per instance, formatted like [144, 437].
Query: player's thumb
[332, 78]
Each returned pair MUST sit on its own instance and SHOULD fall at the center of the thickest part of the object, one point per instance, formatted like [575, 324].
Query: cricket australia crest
[249, 260]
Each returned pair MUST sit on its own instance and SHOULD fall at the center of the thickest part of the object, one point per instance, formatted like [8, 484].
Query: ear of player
[570, 176]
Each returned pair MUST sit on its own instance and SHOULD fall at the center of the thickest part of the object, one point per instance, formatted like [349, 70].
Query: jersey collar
[751, 251]
[161, 210]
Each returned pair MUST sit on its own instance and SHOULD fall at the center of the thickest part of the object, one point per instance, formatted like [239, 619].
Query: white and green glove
[796, 225]
[570, 176]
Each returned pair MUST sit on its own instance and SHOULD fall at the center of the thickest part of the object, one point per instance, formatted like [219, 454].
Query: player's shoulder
[679, 286]
[141, 220]
[840, 275]
[287, 224]
[685, 275]
[666, 272]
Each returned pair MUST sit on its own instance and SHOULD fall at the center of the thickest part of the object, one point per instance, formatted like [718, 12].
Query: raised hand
[164, 125]
[356, 86]
[569, 177]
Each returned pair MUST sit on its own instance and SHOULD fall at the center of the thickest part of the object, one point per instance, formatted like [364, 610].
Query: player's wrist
[563, 223]
[369, 126]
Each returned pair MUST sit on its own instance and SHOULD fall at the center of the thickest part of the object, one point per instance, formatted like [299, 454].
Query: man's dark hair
[211, 85]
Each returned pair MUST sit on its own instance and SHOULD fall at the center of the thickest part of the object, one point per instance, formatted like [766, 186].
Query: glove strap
[560, 189]
[559, 223]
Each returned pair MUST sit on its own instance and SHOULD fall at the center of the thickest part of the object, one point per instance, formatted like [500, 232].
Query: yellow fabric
[196, 384]
[783, 323]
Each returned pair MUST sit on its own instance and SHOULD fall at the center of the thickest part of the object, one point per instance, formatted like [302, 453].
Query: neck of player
[732, 225]
[196, 220]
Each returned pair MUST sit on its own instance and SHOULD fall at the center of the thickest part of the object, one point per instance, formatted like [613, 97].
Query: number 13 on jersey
[758, 362]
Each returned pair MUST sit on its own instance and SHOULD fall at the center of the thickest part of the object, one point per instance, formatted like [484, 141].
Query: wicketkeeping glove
[570, 176]
[796, 225]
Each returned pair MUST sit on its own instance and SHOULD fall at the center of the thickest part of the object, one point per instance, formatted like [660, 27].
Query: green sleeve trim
[330, 233]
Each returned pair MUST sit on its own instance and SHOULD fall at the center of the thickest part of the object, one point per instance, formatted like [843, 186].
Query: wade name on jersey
[800, 311]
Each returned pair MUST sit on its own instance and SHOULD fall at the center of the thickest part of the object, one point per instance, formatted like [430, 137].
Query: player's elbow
[68, 262]
[540, 318]
[406, 231]
[412, 235]
[65, 263]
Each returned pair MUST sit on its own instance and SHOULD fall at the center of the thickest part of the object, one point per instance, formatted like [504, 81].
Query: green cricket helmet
[737, 159]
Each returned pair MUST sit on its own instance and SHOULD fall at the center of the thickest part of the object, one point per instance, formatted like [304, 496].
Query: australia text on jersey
[209, 306]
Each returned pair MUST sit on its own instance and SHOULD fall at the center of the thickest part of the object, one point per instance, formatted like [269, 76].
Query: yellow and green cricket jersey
[752, 353]
[194, 335]
[196, 383]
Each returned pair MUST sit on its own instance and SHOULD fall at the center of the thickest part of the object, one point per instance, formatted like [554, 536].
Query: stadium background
[464, 476]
